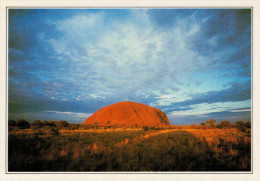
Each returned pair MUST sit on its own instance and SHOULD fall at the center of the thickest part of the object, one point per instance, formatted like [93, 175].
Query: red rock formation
[128, 114]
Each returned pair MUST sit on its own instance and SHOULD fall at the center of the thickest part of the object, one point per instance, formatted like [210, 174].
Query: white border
[133, 4]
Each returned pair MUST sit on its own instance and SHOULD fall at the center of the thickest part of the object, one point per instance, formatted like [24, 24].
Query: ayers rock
[128, 114]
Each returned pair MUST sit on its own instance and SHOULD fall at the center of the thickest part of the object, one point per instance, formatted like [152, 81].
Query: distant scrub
[46, 147]
[209, 124]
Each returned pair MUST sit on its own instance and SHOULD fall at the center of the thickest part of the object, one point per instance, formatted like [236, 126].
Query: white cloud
[240, 110]
[59, 112]
[170, 97]
[111, 58]
[72, 117]
[71, 114]
[205, 108]
[64, 99]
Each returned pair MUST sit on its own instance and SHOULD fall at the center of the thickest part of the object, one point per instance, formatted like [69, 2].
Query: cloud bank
[178, 60]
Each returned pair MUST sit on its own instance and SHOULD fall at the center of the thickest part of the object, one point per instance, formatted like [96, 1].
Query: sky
[193, 64]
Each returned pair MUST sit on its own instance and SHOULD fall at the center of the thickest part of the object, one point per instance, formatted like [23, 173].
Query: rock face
[128, 114]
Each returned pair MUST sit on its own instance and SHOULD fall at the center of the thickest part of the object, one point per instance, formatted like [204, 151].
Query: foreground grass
[130, 150]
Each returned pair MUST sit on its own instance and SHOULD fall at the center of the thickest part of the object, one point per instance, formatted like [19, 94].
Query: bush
[22, 124]
[96, 125]
[211, 123]
[224, 124]
[54, 131]
[49, 123]
[248, 124]
[241, 125]
[62, 124]
[145, 128]
[74, 126]
[37, 124]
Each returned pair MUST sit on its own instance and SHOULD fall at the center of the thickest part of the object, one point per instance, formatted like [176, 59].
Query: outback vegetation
[62, 146]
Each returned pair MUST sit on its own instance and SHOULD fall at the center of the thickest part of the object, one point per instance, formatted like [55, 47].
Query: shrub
[54, 131]
[96, 125]
[74, 126]
[62, 124]
[224, 124]
[241, 125]
[248, 124]
[211, 123]
[22, 124]
[145, 128]
[37, 124]
[49, 123]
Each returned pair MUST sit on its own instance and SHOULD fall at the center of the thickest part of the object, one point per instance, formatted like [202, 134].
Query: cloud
[238, 91]
[122, 58]
[218, 113]
[82, 60]
[78, 115]
[73, 117]
[241, 110]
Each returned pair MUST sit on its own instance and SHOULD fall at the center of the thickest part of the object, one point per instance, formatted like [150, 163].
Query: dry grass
[129, 149]
[212, 136]
[83, 131]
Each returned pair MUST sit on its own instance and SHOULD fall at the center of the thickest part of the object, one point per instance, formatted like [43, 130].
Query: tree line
[241, 125]
[37, 124]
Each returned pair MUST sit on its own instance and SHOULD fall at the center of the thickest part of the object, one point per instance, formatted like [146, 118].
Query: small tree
[54, 131]
[49, 123]
[224, 124]
[145, 128]
[37, 124]
[96, 125]
[62, 124]
[248, 124]
[211, 123]
[22, 124]
[241, 125]
[74, 126]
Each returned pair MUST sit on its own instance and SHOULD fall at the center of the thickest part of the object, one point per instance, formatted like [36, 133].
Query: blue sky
[193, 64]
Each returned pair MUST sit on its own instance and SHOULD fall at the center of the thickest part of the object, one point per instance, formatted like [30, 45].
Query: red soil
[128, 114]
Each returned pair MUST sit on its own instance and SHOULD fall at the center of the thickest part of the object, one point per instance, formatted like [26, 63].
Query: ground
[130, 149]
